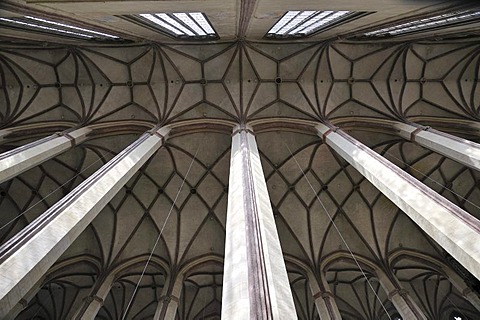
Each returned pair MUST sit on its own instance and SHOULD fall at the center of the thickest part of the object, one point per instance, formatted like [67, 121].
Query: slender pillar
[166, 308]
[168, 302]
[21, 159]
[457, 231]
[25, 258]
[324, 300]
[23, 303]
[92, 304]
[458, 149]
[255, 284]
[472, 298]
[461, 286]
[401, 299]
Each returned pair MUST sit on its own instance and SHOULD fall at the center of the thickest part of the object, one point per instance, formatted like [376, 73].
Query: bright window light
[426, 24]
[193, 25]
[297, 20]
[72, 27]
[303, 23]
[161, 23]
[185, 18]
[200, 19]
[176, 24]
[35, 23]
[285, 19]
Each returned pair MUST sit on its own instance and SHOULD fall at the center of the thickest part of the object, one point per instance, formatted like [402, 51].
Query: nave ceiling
[202, 92]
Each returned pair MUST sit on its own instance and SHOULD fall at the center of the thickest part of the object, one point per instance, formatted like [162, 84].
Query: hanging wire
[438, 183]
[433, 180]
[52, 192]
[337, 229]
[161, 230]
[48, 195]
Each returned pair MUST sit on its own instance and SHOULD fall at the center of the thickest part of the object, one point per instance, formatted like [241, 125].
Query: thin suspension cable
[48, 195]
[338, 230]
[161, 230]
[52, 192]
[433, 180]
[438, 183]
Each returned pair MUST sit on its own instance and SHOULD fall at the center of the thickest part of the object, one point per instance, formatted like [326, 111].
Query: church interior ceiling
[202, 91]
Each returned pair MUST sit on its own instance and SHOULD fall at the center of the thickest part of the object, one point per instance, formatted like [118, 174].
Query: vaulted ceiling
[201, 91]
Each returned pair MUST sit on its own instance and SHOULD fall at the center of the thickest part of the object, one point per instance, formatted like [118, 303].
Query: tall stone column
[461, 286]
[401, 299]
[26, 257]
[255, 282]
[457, 231]
[95, 300]
[324, 300]
[21, 159]
[472, 298]
[23, 303]
[168, 302]
[458, 149]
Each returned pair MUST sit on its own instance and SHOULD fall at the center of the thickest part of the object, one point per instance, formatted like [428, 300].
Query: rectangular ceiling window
[193, 25]
[427, 24]
[56, 28]
[297, 24]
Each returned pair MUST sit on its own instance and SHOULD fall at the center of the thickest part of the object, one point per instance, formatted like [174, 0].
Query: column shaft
[326, 306]
[21, 159]
[168, 303]
[23, 303]
[461, 150]
[36, 248]
[406, 307]
[94, 304]
[401, 299]
[455, 230]
[167, 308]
[461, 286]
[324, 299]
[472, 298]
[255, 284]
[95, 300]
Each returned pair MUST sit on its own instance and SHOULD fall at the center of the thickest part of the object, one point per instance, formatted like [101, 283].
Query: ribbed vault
[202, 91]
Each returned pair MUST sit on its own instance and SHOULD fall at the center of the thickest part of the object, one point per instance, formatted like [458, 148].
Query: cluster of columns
[167, 304]
[255, 284]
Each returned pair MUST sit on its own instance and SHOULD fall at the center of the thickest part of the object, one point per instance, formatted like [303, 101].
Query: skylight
[44, 25]
[193, 25]
[434, 22]
[295, 24]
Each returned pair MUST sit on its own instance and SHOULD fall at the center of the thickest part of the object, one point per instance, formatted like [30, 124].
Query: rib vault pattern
[201, 92]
